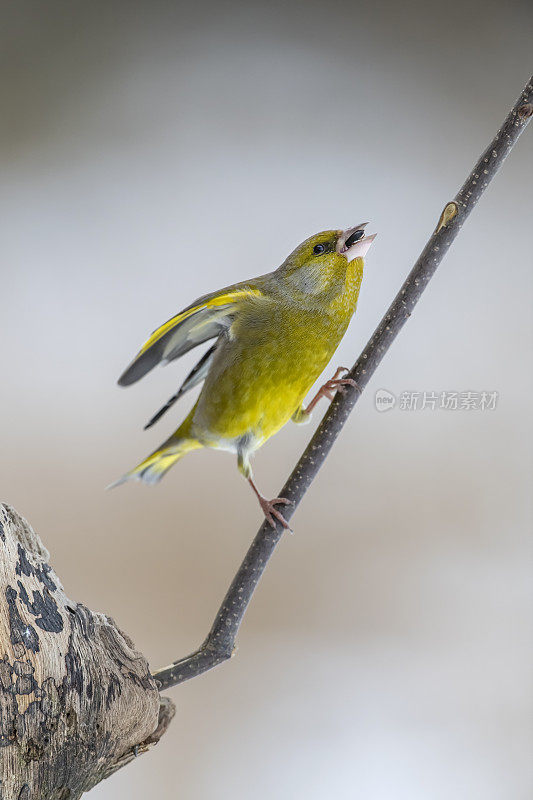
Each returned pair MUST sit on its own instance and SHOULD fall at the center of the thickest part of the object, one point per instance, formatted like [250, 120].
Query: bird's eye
[354, 237]
[319, 248]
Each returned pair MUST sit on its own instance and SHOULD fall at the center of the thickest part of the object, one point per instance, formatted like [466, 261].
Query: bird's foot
[270, 511]
[332, 386]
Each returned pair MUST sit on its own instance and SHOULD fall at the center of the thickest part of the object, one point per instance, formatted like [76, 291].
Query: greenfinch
[273, 335]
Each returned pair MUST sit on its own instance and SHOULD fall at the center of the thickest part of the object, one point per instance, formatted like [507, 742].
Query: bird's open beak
[352, 247]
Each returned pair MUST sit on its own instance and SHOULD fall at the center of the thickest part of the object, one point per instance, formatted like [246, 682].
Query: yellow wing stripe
[215, 302]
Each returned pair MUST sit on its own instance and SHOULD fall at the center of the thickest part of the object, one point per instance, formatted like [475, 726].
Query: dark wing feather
[195, 376]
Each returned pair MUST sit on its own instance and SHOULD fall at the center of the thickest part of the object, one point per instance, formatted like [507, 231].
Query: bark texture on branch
[77, 701]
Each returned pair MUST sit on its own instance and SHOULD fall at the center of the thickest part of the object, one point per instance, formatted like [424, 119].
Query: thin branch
[220, 642]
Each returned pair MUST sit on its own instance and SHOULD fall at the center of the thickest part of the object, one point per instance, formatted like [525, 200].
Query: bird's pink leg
[269, 509]
[328, 390]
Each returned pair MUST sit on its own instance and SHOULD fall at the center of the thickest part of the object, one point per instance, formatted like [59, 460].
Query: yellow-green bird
[274, 336]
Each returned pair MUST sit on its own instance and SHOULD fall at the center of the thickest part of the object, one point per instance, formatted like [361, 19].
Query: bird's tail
[152, 469]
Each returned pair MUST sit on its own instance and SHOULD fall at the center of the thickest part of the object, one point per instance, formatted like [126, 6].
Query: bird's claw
[345, 381]
[270, 511]
[337, 385]
[332, 386]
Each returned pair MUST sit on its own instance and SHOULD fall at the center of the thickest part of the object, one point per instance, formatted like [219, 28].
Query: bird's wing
[195, 376]
[205, 319]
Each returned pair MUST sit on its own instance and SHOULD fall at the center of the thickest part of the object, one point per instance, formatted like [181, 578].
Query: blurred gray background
[155, 151]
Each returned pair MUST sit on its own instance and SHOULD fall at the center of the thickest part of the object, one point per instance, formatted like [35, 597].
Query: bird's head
[320, 262]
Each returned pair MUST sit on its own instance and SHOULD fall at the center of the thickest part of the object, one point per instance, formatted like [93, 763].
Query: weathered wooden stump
[77, 701]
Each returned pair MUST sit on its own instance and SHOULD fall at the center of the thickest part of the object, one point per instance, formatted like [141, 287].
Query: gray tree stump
[77, 701]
